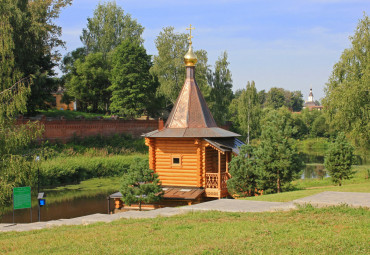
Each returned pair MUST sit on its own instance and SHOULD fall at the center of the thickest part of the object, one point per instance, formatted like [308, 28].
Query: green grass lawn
[339, 230]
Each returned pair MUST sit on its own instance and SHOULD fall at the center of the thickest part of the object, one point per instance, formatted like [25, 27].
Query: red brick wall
[64, 130]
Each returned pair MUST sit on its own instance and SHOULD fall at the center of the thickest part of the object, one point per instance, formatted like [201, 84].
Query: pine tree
[140, 184]
[339, 159]
[243, 173]
[278, 162]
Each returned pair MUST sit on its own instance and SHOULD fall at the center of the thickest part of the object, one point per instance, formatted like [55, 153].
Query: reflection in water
[314, 171]
[64, 210]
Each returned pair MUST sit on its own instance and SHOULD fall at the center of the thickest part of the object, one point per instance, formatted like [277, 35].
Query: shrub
[64, 170]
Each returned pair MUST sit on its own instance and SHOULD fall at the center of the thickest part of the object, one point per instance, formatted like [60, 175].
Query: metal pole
[38, 179]
[39, 212]
[13, 205]
[108, 199]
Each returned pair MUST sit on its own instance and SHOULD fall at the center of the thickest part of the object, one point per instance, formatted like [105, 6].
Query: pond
[314, 167]
[63, 210]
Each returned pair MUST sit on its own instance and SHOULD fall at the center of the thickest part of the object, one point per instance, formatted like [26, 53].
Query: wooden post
[219, 174]
[227, 161]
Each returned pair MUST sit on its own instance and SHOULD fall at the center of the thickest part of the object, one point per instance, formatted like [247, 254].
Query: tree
[249, 110]
[108, 28]
[347, 98]
[275, 98]
[278, 162]
[132, 84]
[168, 65]
[221, 89]
[88, 82]
[140, 184]
[243, 173]
[16, 164]
[296, 101]
[36, 40]
[339, 159]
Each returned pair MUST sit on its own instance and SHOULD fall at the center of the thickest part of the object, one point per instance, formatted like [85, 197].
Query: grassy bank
[65, 170]
[339, 230]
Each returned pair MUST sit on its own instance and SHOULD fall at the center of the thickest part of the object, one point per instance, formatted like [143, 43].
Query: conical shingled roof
[190, 116]
[190, 109]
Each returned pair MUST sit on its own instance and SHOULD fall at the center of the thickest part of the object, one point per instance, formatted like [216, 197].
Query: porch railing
[213, 178]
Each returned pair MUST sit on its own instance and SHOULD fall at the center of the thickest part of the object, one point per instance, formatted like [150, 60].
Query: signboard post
[22, 199]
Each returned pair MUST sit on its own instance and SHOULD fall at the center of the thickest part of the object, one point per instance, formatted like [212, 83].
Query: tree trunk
[140, 205]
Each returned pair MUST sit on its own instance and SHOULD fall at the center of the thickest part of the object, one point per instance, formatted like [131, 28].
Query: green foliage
[66, 170]
[275, 98]
[249, 112]
[339, 160]
[347, 99]
[168, 65]
[70, 115]
[278, 97]
[278, 161]
[243, 173]
[140, 184]
[108, 28]
[89, 82]
[34, 43]
[221, 89]
[132, 84]
[17, 165]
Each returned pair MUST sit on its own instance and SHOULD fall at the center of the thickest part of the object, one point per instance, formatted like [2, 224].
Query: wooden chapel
[190, 153]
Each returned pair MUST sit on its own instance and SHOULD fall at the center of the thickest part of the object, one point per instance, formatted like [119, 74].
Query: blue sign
[42, 202]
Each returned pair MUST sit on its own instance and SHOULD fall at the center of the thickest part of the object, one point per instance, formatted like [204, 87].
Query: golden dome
[190, 58]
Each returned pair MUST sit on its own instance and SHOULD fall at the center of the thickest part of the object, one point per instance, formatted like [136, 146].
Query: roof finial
[190, 58]
[190, 36]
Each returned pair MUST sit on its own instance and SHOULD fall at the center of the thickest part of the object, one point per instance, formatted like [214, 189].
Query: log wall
[188, 173]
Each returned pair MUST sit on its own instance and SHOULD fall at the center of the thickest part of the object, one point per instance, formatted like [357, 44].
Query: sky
[276, 43]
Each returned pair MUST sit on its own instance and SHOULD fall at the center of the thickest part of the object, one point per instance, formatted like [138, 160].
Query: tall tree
[132, 84]
[88, 82]
[36, 38]
[339, 160]
[249, 111]
[16, 168]
[168, 65]
[108, 28]
[278, 161]
[140, 184]
[347, 99]
[221, 92]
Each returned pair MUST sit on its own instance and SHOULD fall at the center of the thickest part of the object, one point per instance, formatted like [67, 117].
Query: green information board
[22, 197]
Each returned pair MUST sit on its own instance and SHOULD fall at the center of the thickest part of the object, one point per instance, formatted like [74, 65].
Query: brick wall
[63, 130]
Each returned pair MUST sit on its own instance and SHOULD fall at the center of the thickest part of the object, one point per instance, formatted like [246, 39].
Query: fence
[63, 130]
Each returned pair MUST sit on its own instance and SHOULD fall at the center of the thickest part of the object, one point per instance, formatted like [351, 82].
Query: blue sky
[276, 43]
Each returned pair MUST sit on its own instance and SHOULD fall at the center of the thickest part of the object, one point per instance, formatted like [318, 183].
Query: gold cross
[190, 28]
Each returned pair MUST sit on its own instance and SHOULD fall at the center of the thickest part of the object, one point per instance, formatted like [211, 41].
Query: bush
[63, 170]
